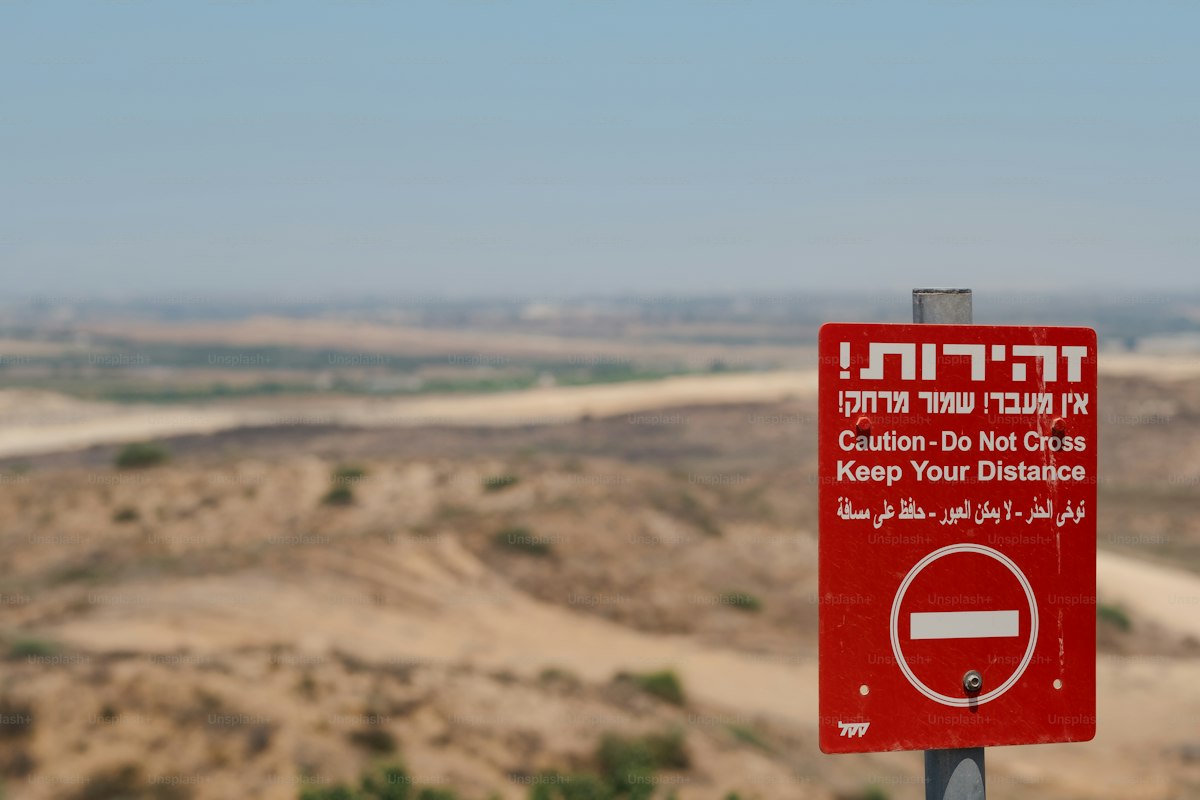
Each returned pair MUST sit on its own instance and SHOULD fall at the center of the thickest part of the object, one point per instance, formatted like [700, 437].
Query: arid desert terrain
[506, 591]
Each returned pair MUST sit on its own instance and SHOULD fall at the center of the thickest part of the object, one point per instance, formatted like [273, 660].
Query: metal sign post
[956, 774]
[957, 549]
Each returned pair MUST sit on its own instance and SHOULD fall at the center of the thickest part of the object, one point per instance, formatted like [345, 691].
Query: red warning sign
[958, 538]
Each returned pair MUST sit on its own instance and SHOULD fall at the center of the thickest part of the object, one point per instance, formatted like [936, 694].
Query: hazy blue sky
[469, 147]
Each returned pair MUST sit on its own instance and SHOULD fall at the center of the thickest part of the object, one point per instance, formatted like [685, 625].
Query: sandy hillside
[222, 607]
[219, 627]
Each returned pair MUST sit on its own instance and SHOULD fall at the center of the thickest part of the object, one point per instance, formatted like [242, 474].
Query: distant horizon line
[624, 297]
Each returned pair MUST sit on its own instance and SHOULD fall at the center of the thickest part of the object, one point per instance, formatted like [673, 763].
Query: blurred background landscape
[417, 400]
[479, 549]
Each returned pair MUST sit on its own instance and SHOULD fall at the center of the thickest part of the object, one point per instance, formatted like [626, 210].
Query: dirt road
[41, 422]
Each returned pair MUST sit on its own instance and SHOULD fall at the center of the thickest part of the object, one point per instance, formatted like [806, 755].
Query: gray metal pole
[950, 774]
[942, 306]
[955, 774]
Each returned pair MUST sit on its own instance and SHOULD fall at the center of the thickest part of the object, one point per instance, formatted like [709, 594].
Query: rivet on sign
[972, 682]
[862, 426]
[864, 690]
[1059, 428]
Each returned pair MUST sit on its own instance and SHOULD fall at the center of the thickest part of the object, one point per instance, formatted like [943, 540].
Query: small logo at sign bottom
[852, 729]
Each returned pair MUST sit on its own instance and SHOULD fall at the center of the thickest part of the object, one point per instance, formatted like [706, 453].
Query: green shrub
[342, 480]
[436, 794]
[742, 601]
[626, 764]
[747, 735]
[139, 455]
[388, 782]
[692, 511]
[869, 793]
[1115, 616]
[629, 764]
[664, 684]
[522, 540]
[497, 483]
[75, 572]
[348, 473]
[340, 495]
[668, 750]
[126, 514]
[377, 740]
[572, 787]
[340, 792]
[26, 646]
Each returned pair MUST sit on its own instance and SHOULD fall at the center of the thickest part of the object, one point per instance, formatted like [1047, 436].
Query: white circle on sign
[898, 652]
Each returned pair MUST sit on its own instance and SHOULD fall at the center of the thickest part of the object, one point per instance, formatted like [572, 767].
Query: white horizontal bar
[963, 624]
